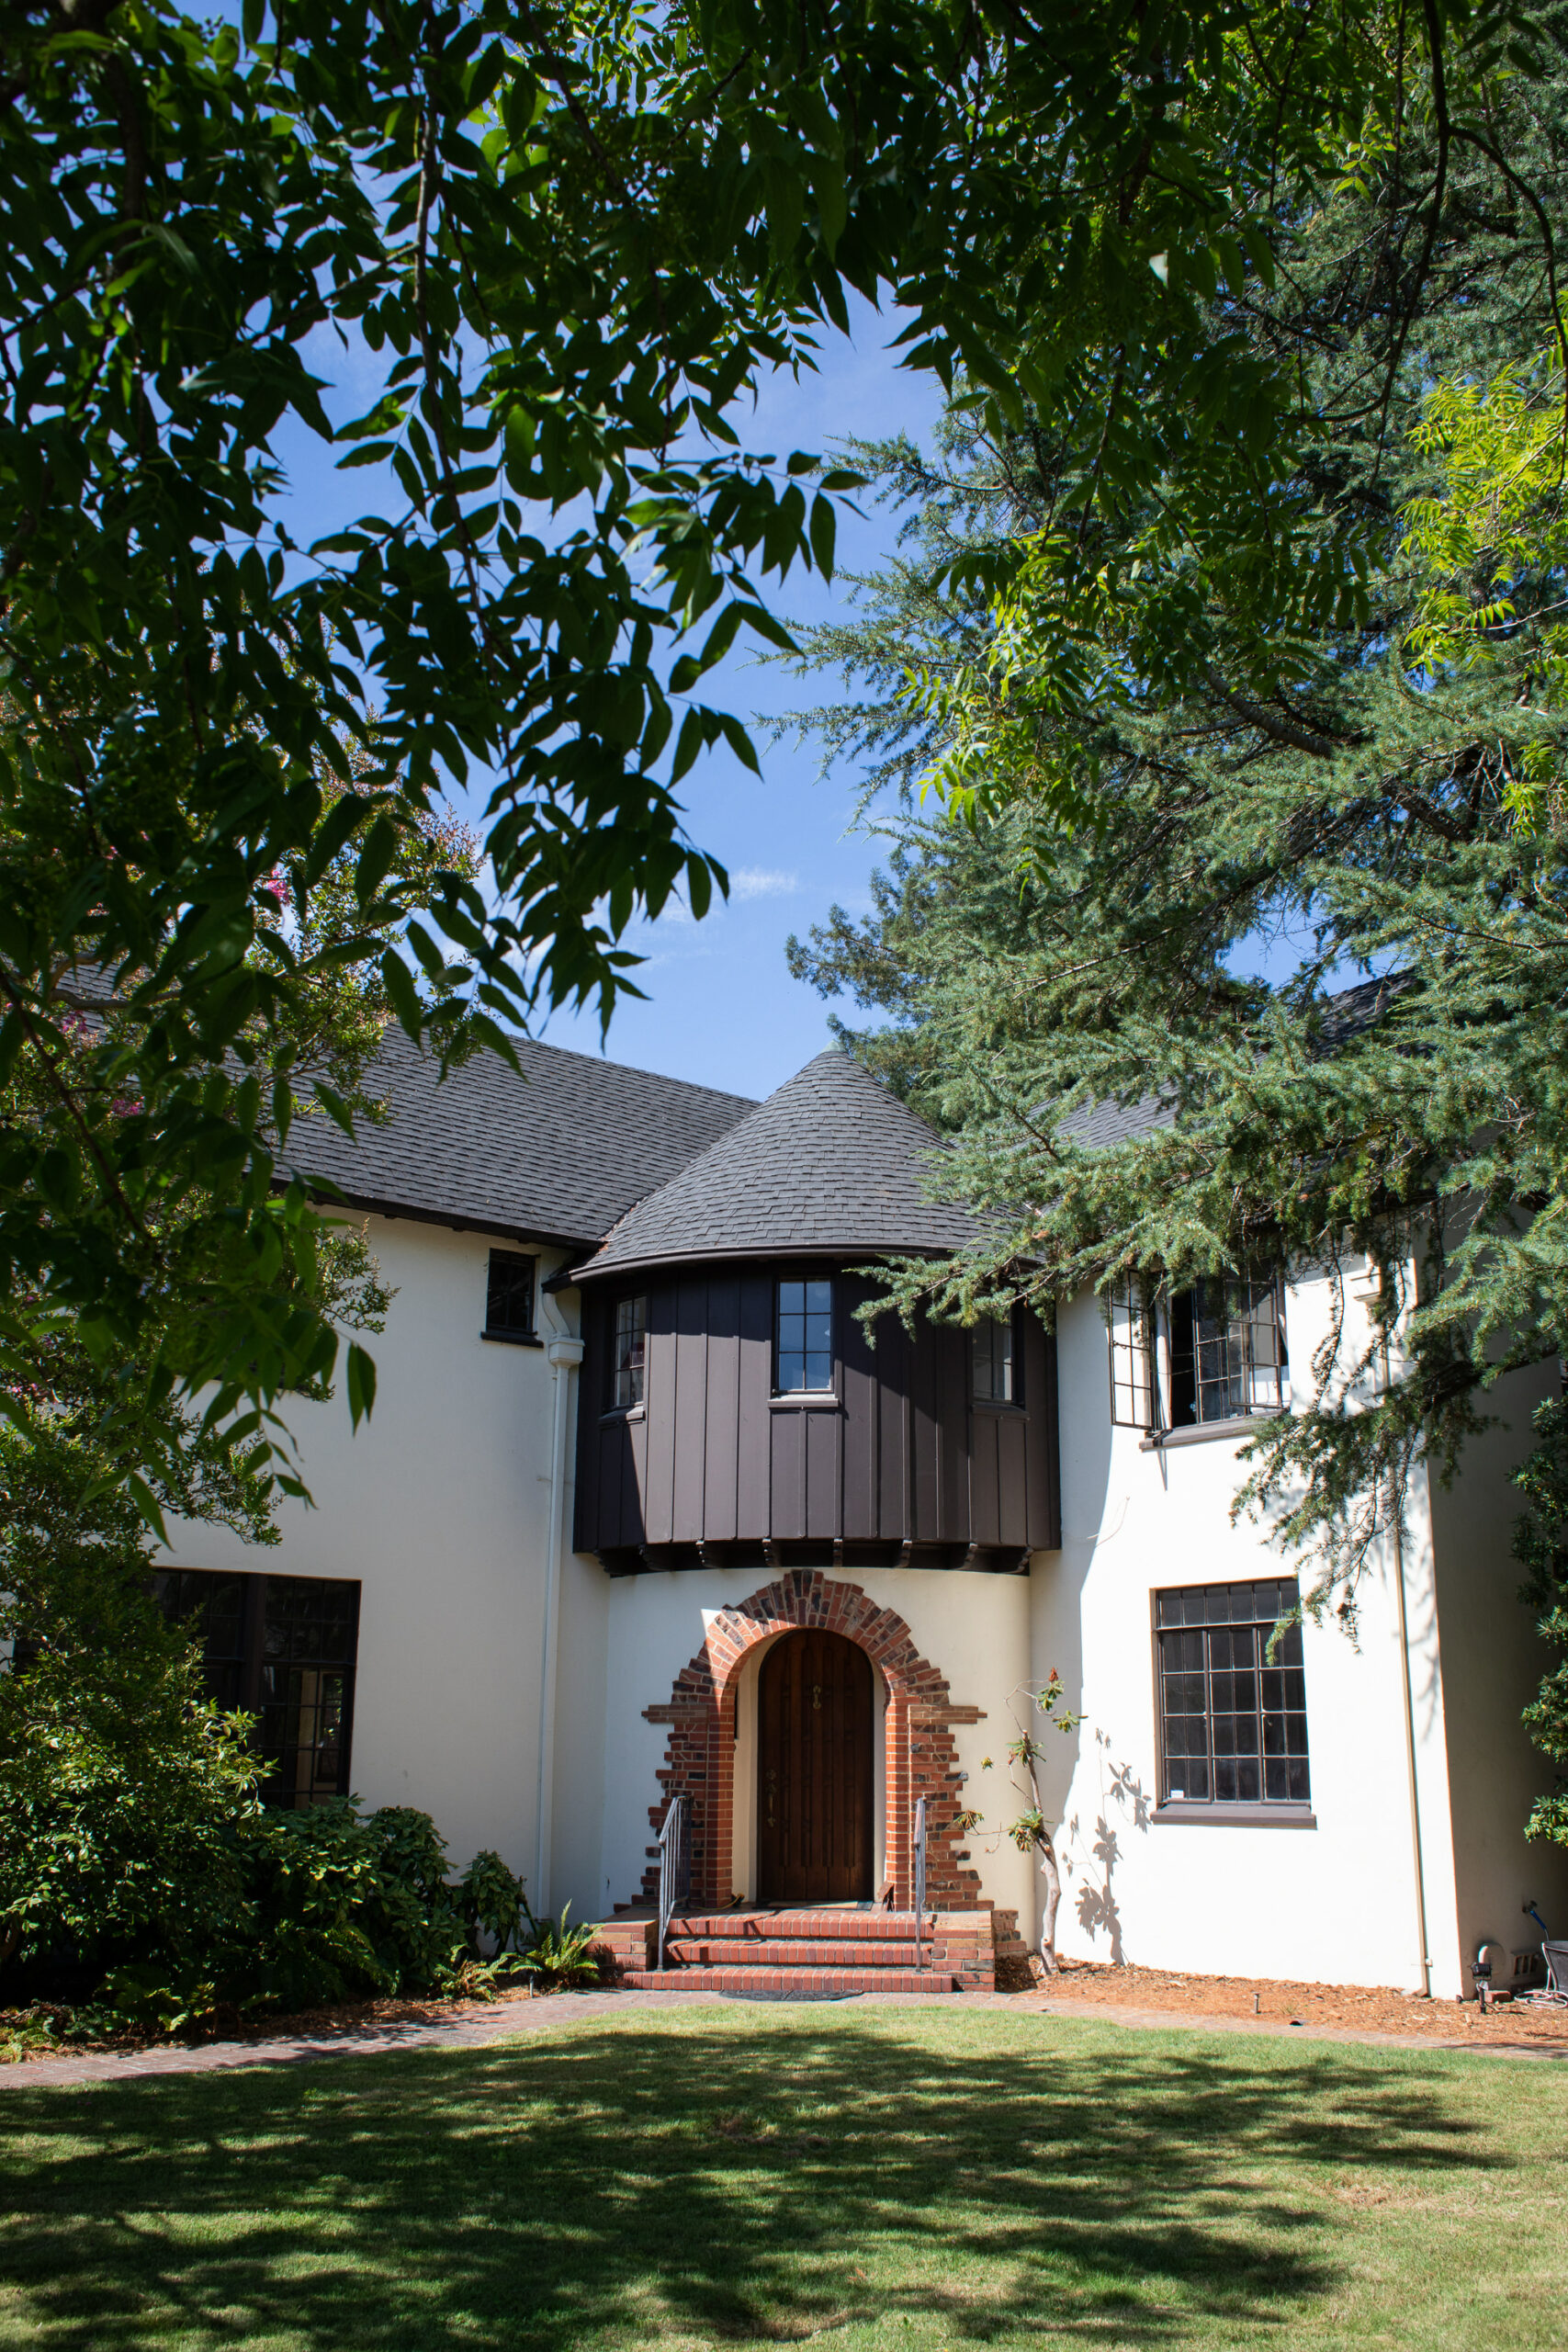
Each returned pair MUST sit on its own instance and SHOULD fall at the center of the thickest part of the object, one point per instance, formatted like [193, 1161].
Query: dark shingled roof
[832, 1163]
[1342, 1018]
[555, 1155]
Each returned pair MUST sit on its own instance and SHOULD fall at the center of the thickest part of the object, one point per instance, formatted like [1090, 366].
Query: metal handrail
[920, 1878]
[674, 1867]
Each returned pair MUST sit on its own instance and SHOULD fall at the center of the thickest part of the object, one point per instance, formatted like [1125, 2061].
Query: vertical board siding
[858, 1370]
[786, 1435]
[894, 1416]
[824, 1459]
[722, 1433]
[953, 1420]
[985, 1476]
[689, 1497]
[925, 1436]
[753, 1498]
[906, 1456]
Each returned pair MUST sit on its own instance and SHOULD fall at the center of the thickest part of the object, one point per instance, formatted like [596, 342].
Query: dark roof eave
[453, 1220]
[591, 1270]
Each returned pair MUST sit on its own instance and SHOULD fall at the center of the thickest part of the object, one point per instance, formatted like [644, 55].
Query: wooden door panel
[814, 1763]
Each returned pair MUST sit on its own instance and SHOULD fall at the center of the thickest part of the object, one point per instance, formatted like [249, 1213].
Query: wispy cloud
[760, 882]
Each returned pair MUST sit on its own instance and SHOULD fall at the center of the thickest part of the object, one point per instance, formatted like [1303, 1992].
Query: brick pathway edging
[520, 2020]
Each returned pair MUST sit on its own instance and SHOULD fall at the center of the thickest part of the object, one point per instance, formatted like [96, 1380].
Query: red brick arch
[699, 1757]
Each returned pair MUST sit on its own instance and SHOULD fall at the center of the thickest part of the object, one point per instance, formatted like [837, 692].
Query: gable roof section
[555, 1155]
[830, 1164]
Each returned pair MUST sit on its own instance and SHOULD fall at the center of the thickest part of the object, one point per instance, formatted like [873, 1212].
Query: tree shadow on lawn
[767, 2183]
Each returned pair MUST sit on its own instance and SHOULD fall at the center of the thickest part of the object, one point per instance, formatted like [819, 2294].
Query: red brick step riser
[722, 1951]
[793, 1980]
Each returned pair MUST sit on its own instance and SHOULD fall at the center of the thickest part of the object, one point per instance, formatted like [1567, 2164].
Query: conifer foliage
[1291, 880]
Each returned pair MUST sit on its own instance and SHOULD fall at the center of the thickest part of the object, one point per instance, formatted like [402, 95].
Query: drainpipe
[564, 1354]
[1410, 1737]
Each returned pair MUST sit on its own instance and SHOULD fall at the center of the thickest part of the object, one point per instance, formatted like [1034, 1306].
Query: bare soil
[1368, 2008]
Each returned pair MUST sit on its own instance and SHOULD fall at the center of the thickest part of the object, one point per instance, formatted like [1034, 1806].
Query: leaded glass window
[804, 1358]
[282, 1648]
[629, 1357]
[1232, 1695]
[306, 1683]
[1227, 1351]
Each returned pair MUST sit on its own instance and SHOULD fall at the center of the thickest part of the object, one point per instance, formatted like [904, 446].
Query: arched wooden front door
[813, 1800]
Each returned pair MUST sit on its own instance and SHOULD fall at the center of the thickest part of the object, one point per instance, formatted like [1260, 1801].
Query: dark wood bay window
[283, 1648]
[1232, 1697]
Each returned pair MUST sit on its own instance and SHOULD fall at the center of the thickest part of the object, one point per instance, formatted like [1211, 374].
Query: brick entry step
[762, 1950]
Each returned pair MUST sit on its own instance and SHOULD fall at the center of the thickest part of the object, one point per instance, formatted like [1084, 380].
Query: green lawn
[744, 2175]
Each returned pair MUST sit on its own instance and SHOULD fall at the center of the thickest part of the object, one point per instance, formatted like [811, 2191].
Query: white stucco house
[644, 1514]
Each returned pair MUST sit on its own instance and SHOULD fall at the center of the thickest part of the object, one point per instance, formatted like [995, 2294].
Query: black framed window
[1227, 1351]
[307, 1687]
[802, 1357]
[1232, 1699]
[628, 1359]
[993, 1363]
[283, 1648]
[509, 1297]
[1225, 1357]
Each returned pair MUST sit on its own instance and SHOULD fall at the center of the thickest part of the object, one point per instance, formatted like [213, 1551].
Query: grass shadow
[985, 2180]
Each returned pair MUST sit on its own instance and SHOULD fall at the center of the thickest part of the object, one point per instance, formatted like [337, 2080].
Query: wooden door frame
[861, 1767]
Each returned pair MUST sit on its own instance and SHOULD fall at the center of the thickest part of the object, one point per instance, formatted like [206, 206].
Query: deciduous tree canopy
[562, 245]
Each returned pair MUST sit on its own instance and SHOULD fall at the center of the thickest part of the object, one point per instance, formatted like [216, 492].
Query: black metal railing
[674, 1867]
[919, 1879]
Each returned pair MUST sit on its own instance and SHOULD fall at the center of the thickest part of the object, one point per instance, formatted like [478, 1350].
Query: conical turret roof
[829, 1165]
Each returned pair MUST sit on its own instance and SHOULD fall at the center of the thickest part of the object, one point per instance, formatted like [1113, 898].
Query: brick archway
[699, 1757]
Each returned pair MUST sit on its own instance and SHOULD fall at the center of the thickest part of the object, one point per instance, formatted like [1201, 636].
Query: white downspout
[1412, 1778]
[564, 1354]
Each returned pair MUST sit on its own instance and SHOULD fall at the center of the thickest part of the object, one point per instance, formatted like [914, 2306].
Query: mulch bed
[18, 2027]
[1370, 2008]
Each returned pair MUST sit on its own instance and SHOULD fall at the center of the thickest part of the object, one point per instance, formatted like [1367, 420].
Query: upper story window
[994, 1364]
[509, 1300]
[1216, 1353]
[628, 1360]
[802, 1357]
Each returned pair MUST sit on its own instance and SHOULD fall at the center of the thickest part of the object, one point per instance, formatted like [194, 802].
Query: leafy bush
[560, 1955]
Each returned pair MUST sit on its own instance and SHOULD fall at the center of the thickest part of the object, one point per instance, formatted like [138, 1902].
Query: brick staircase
[763, 1949]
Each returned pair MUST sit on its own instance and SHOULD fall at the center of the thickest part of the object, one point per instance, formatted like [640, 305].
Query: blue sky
[721, 1008]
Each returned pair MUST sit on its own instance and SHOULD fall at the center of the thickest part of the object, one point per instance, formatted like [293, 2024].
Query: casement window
[509, 1299]
[803, 1347]
[628, 1356]
[283, 1648]
[1231, 1697]
[1216, 1353]
[993, 1364]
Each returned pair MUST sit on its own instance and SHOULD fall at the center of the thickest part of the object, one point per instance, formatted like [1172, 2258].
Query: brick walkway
[518, 2019]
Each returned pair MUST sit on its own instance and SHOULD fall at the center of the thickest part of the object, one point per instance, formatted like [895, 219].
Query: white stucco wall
[440, 1507]
[974, 1628]
[1495, 1662]
[1336, 1902]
